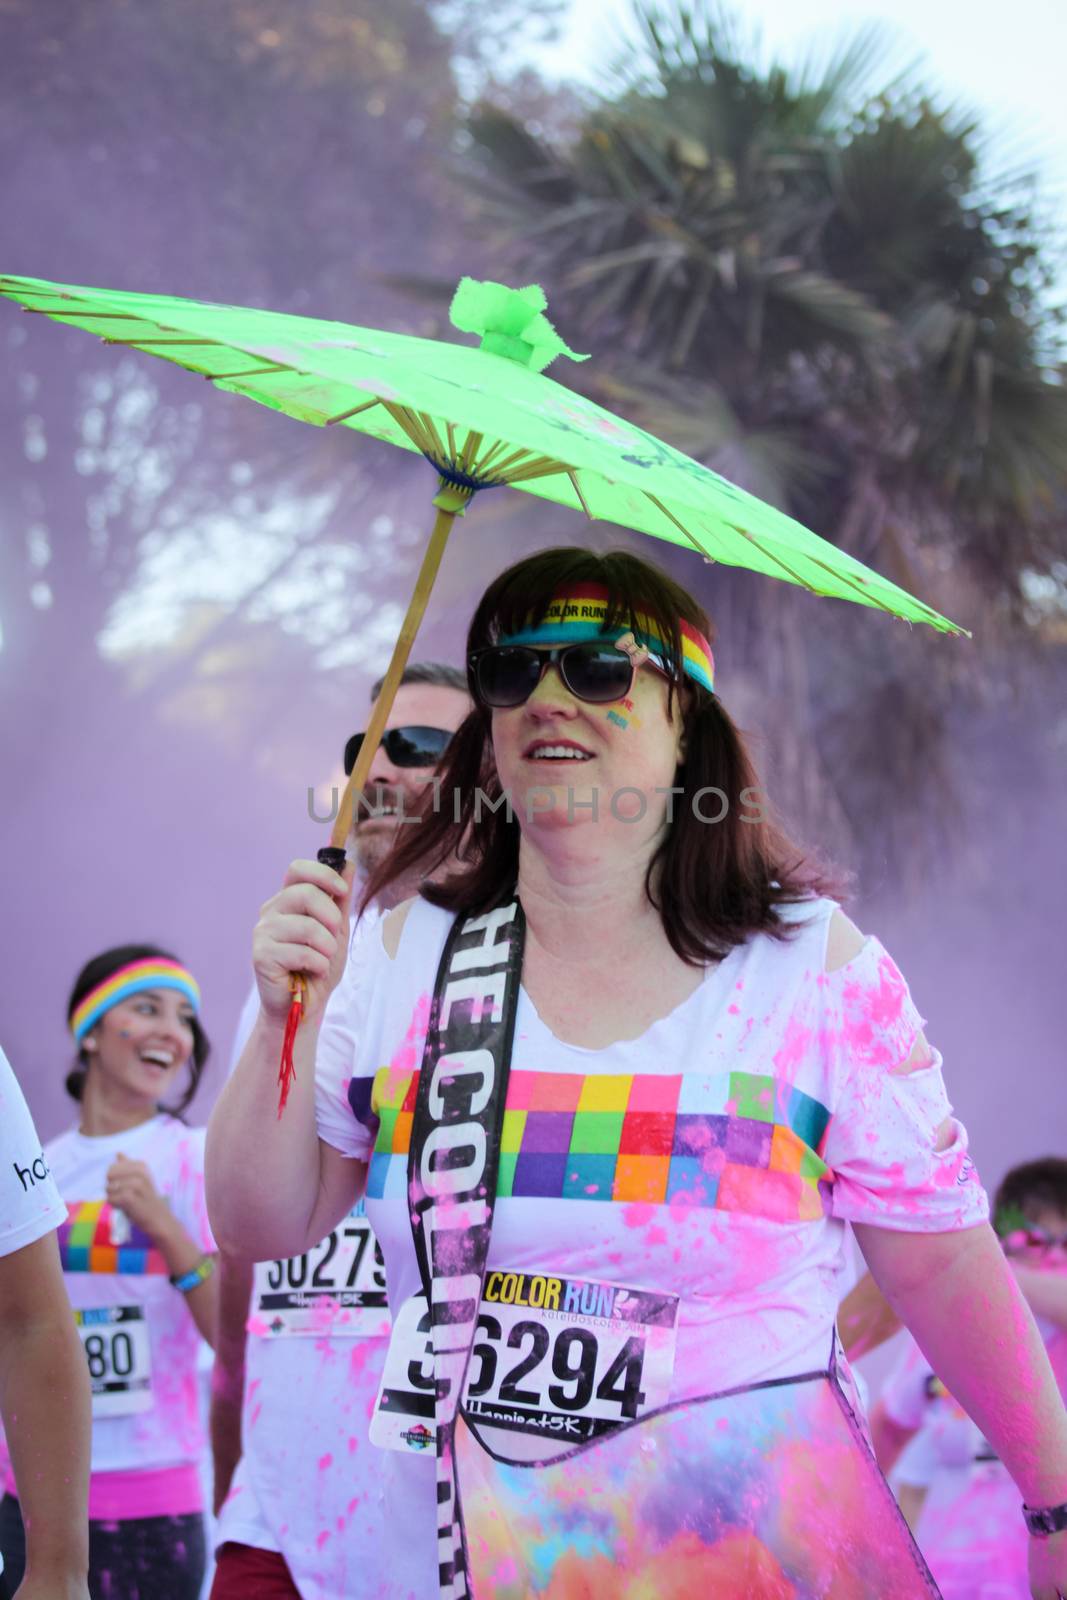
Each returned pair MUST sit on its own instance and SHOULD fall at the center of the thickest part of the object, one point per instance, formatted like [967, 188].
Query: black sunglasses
[507, 674]
[405, 747]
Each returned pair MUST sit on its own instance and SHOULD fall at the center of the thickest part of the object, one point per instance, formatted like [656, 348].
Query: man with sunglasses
[428, 707]
[289, 1526]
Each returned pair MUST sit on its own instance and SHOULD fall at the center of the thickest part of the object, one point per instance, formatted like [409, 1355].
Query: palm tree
[808, 287]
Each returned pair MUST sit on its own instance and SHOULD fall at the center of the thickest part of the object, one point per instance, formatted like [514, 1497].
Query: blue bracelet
[195, 1276]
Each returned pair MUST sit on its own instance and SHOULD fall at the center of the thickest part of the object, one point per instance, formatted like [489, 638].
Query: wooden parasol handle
[450, 502]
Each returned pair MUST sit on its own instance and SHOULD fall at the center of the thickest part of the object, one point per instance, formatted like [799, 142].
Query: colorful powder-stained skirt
[766, 1493]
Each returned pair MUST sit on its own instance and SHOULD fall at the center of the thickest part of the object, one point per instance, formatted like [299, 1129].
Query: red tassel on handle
[331, 856]
[286, 1067]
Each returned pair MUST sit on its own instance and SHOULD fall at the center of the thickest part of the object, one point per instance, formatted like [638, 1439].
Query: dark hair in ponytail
[97, 971]
[715, 880]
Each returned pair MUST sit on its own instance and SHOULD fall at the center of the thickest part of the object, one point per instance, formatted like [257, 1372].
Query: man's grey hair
[434, 673]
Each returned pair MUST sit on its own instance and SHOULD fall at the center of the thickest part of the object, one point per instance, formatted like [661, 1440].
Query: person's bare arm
[131, 1189]
[235, 1276]
[274, 1188]
[865, 1319]
[957, 1294]
[888, 1437]
[1046, 1292]
[911, 1497]
[44, 1402]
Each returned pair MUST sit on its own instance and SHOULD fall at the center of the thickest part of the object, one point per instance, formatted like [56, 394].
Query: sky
[1004, 61]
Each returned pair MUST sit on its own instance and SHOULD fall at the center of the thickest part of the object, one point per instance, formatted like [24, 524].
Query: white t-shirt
[140, 1338]
[307, 1483]
[716, 1158]
[30, 1205]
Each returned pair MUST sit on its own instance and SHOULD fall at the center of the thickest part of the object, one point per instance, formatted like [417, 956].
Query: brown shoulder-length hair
[714, 884]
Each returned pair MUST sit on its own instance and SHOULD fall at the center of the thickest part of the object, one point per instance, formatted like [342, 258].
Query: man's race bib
[337, 1288]
[117, 1349]
[560, 1358]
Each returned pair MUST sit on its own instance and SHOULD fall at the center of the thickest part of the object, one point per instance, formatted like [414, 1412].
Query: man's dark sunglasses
[507, 674]
[405, 747]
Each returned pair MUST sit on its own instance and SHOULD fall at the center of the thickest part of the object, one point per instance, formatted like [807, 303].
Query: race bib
[117, 1349]
[337, 1288]
[563, 1358]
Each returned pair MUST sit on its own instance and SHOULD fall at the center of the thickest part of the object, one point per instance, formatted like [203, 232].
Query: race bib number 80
[119, 1355]
[560, 1357]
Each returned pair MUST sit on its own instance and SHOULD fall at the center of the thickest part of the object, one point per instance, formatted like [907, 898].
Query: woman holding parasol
[611, 1152]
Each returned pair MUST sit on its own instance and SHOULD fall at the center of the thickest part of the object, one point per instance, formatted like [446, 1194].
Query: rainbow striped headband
[154, 973]
[578, 616]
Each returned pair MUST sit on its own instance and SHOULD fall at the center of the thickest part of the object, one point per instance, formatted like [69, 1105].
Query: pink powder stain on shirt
[357, 1360]
[734, 1010]
[683, 1201]
[257, 1326]
[322, 1539]
[879, 1019]
[712, 1162]
[655, 1237]
[255, 1406]
[638, 1213]
[792, 1052]
[325, 1461]
[408, 1056]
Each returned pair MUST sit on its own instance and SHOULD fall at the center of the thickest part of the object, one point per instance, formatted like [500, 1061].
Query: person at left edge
[299, 1516]
[44, 1390]
[137, 1258]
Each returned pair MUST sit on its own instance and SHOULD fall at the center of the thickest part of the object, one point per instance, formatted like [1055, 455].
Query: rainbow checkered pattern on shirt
[579, 615]
[733, 1141]
[85, 1242]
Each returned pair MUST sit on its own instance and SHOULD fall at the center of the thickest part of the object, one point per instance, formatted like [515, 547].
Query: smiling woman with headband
[137, 1257]
[611, 1149]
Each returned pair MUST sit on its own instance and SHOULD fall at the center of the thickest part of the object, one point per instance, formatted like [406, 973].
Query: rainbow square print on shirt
[733, 1141]
[94, 1239]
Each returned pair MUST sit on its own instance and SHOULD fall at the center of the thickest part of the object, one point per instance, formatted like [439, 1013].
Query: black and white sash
[452, 1171]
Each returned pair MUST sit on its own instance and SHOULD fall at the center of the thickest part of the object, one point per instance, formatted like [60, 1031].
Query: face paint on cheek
[623, 721]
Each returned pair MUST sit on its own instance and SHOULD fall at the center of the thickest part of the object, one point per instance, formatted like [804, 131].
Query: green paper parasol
[484, 418]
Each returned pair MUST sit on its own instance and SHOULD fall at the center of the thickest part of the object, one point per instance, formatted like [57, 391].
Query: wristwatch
[1045, 1522]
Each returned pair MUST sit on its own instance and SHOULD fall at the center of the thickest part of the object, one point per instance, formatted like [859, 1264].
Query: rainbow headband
[154, 973]
[578, 616]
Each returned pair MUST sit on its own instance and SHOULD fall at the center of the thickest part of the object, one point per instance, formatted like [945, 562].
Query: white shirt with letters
[30, 1205]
